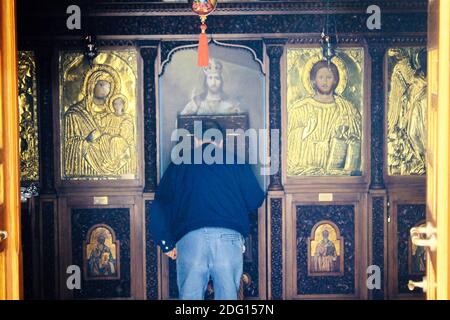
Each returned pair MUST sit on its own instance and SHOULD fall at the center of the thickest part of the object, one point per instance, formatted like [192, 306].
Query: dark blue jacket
[192, 196]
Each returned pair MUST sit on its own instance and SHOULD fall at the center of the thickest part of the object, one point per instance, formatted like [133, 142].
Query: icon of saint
[101, 261]
[406, 117]
[85, 148]
[324, 129]
[325, 256]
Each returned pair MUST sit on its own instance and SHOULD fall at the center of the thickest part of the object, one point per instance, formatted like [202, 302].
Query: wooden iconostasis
[350, 138]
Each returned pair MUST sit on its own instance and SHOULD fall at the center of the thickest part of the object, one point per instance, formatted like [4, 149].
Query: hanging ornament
[328, 47]
[203, 8]
[329, 36]
[90, 49]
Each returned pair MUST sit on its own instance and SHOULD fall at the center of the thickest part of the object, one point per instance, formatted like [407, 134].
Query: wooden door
[10, 253]
[436, 236]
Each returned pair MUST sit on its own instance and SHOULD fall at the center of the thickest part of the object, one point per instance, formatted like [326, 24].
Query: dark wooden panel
[151, 258]
[276, 252]
[344, 278]
[49, 249]
[124, 216]
[408, 216]
[406, 210]
[343, 216]
[118, 219]
[378, 240]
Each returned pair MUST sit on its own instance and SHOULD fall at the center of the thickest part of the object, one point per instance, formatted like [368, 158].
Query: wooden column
[149, 55]
[377, 52]
[275, 49]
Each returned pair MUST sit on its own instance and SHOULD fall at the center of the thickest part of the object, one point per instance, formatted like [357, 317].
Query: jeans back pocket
[235, 238]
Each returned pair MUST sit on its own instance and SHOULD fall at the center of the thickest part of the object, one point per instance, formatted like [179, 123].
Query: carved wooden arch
[216, 42]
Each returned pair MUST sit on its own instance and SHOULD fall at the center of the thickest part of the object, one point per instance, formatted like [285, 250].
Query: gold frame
[322, 183]
[35, 152]
[110, 186]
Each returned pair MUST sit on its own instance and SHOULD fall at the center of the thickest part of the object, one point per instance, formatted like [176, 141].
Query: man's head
[325, 234]
[213, 73]
[211, 133]
[324, 77]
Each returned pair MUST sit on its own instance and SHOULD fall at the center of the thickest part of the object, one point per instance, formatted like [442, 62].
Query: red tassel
[203, 59]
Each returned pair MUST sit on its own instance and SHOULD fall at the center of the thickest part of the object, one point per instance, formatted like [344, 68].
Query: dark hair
[210, 124]
[324, 64]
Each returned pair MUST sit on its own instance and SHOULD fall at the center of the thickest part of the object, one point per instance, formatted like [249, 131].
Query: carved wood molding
[276, 257]
[46, 26]
[46, 146]
[275, 49]
[149, 55]
[263, 6]
[377, 51]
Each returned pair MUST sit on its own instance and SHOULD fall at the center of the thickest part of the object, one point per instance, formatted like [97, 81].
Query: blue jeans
[208, 251]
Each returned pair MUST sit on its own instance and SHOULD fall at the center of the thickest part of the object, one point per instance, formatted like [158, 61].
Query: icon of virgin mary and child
[98, 133]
